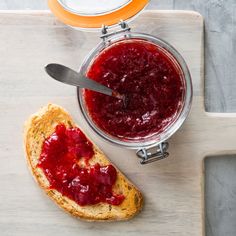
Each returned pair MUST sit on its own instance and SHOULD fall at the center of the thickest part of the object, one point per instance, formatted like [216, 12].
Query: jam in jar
[151, 79]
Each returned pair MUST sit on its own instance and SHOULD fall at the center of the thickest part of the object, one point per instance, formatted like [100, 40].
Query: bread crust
[41, 125]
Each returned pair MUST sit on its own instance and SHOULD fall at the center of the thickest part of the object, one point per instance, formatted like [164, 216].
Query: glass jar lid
[92, 7]
[93, 14]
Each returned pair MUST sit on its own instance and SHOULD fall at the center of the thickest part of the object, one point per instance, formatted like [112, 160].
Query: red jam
[60, 161]
[149, 76]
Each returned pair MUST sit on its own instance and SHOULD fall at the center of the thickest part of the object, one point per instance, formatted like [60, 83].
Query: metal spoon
[68, 76]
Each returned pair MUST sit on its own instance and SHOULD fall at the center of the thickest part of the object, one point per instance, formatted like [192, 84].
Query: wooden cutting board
[172, 188]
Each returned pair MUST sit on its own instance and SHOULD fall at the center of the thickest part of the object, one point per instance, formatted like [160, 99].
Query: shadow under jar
[156, 82]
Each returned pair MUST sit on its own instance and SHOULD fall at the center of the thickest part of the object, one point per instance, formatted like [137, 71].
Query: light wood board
[172, 187]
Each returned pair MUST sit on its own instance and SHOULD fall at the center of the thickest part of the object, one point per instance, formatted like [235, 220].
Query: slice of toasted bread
[41, 125]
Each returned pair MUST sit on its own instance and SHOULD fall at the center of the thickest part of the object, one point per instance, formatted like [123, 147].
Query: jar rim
[156, 139]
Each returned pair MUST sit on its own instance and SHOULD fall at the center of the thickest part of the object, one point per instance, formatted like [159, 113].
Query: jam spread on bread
[151, 79]
[60, 160]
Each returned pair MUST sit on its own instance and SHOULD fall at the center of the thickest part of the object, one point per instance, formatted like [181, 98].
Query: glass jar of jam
[156, 81]
[148, 71]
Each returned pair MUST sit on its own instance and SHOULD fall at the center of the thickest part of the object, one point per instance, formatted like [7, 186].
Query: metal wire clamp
[147, 156]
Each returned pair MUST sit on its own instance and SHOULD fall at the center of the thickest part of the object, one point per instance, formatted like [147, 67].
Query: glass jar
[143, 145]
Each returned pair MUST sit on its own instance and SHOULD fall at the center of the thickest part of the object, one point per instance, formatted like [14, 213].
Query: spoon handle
[95, 86]
[66, 75]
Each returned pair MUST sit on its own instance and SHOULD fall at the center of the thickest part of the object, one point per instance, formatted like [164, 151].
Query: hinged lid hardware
[159, 154]
[124, 27]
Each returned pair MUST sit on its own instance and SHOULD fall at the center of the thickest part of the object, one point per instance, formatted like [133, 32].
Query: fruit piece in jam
[151, 79]
[61, 153]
